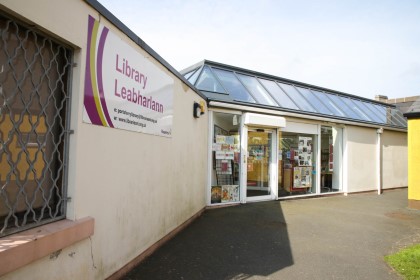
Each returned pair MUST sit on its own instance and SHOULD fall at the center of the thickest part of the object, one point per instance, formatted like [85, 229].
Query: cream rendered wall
[394, 159]
[137, 187]
[361, 158]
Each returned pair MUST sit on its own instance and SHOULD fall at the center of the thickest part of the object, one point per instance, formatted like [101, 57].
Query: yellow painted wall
[414, 159]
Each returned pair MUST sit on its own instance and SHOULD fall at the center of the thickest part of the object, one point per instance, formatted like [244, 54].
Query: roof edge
[412, 115]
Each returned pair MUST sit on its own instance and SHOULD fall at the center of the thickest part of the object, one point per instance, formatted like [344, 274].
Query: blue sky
[363, 48]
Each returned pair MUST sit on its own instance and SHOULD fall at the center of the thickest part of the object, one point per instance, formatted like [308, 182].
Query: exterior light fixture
[198, 109]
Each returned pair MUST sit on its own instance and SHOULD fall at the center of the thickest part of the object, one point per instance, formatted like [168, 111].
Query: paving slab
[337, 237]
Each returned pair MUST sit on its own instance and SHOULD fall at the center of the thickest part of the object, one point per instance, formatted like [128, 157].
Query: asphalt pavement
[336, 237]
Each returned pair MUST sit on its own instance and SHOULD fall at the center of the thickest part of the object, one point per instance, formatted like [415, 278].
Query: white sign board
[124, 89]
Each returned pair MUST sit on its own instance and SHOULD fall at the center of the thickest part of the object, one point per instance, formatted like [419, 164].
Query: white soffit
[301, 128]
[264, 120]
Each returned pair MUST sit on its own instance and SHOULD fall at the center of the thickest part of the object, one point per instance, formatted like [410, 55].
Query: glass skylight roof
[314, 100]
[189, 74]
[207, 81]
[330, 104]
[281, 97]
[244, 86]
[234, 87]
[257, 90]
[193, 77]
[297, 97]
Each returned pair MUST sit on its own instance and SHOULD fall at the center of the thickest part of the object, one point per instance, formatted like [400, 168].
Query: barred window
[34, 119]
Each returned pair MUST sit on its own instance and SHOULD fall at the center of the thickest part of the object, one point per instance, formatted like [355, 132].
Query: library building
[107, 151]
[273, 138]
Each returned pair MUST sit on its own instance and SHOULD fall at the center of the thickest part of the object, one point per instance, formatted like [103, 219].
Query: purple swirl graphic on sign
[99, 74]
[89, 100]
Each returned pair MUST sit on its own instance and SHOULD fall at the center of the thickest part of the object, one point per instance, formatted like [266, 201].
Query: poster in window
[236, 157]
[230, 140]
[297, 178]
[236, 147]
[227, 147]
[216, 147]
[307, 173]
[236, 139]
[218, 131]
[331, 156]
[302, 177]
[224, 164]
[257, 153]
[225, 155]
[216, 194]
[305, 151]
[220, 139]
[230, 193]
[223, 167]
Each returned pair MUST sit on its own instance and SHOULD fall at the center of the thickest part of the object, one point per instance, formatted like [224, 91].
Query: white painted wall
[361, 156]
[137, 187]
[394, 159]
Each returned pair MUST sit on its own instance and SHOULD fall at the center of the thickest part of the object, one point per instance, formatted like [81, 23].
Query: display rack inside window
[226, 151]
[224, 172]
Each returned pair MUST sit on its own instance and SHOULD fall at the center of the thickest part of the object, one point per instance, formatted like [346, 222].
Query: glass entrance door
[259, 164]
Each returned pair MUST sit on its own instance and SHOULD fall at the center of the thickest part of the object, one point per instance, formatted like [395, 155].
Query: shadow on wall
[226, 243]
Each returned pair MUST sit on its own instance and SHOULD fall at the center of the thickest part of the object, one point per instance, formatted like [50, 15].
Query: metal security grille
[34, 119]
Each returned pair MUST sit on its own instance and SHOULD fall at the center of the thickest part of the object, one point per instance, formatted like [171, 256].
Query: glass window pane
[234, 87]
[331, 151]
[378, 110]
[382, 111]
[226, 166]
[372, 115]
[357, 109]
[208, 82]
[310, 96]
[399, 115]
[278, 94]
[297, 97]
[188, 75]
[340, 103]
[298, 156]
[328, 102]
[394, 118]
[194, 76]
[259, 158]
[257, 90]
